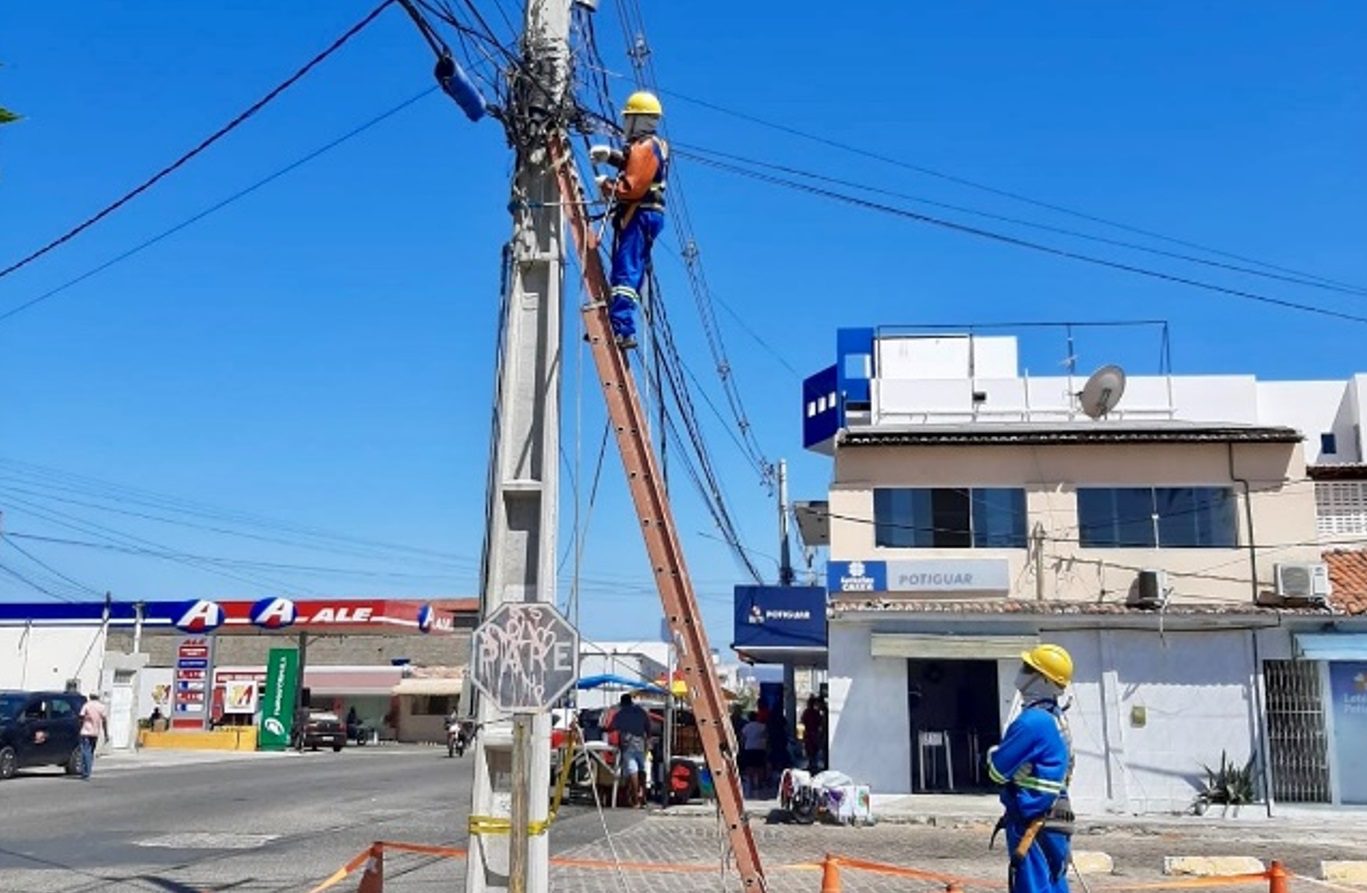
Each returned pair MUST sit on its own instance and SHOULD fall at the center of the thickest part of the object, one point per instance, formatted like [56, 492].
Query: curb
[1211, 866]
[1349, 871]
[1093, 862]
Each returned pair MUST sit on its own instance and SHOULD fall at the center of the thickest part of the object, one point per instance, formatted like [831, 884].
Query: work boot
[626, 342]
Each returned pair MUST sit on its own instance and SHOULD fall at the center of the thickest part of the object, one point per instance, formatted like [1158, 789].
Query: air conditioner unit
[1150, 590]
[1306, 582]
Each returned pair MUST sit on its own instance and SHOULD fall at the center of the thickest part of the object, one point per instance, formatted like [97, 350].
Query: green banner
[277, 702]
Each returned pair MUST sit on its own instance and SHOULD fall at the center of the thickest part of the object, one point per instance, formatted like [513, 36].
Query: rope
[491, 825]
[204, 144]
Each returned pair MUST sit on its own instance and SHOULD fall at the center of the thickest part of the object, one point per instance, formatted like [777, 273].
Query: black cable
[204, 144]
[1015, 196]
[9, 537]
[31, 584]
[218, 206]
[1021, 243]
[1004, 218]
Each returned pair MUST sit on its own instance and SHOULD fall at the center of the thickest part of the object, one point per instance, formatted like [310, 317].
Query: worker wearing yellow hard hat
[1034, 765]
[637, 194]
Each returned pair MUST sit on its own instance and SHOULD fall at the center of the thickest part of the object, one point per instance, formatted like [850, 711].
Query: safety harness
[654, 199]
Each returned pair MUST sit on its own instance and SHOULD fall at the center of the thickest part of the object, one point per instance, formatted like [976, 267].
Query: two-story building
[1172, 543]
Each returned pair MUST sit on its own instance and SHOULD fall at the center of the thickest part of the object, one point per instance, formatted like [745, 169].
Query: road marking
[207, 840]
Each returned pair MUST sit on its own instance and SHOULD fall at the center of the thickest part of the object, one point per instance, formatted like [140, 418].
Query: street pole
[522, 500]
[521, 818]
[785, 567]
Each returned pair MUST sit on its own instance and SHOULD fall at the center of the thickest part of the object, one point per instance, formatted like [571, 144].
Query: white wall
[45, 657]
[1313, 408]
[1195, 689]
[870, 725]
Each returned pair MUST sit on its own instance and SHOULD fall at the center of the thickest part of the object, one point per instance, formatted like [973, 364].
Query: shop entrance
[954, 709]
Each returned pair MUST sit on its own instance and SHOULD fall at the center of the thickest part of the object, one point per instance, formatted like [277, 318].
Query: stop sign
[524, 656]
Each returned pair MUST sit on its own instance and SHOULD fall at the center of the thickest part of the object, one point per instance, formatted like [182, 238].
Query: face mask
[639, 125]
[1034, 687]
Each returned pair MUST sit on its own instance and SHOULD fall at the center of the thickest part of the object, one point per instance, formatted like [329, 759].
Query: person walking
[1034, 765]
[94, 725]
[753, 754]
[632, 725]
[638, 202]
[814, 734]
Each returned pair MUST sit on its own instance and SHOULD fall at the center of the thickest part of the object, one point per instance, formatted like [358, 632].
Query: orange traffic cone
[953, 887]
[373, 879]
[830, 875]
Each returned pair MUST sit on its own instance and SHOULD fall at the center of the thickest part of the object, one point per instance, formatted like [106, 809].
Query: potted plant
[1230, 786]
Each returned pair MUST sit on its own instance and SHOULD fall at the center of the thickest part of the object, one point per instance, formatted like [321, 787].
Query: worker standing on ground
[638, 201]
[1034, 763]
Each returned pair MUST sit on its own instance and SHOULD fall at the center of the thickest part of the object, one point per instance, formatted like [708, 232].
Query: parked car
[320, 728]
[40, 728]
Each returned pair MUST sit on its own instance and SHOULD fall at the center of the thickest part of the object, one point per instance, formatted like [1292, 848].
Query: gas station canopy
[350, 616]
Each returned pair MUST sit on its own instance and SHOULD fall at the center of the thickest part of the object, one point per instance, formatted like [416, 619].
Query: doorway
[955, 717]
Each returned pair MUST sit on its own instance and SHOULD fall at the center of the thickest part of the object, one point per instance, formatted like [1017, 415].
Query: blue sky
[321, 351]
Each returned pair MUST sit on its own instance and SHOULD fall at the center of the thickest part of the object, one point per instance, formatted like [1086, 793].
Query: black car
[40, 728]
[319, 728]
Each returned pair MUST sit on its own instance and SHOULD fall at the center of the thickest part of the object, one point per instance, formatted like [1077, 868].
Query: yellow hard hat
[1050, 661]
[643, 103]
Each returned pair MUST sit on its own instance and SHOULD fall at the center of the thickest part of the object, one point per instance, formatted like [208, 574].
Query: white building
[1172, 546]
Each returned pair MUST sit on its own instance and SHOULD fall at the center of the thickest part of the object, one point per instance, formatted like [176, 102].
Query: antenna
[1102, 391]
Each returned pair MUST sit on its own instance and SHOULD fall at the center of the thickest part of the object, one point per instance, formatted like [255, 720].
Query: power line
[1019, 242]
[8, 537]
[1004, 218]
[218, 206]
[1005, 193]
[204, 144]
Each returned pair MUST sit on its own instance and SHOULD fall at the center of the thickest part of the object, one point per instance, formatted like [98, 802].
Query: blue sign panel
[854, 365]
[844, 577]
[1348, 689]
[821, 415]
[780, 617]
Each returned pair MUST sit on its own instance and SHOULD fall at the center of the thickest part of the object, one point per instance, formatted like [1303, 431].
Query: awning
[1332, 646]
[434, 685]
[612, 680]
[943, 647]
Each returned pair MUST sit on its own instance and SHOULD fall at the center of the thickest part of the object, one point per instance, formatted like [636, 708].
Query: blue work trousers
[1045, 866]
[630, 259]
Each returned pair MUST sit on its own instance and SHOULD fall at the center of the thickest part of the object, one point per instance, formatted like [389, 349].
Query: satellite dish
[1102, 391]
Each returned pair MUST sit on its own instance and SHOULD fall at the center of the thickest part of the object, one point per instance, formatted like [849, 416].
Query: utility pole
[523, 496]
[785, 565]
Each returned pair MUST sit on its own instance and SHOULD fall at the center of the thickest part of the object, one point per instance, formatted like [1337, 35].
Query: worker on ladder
[637, 195]
[1034, 763]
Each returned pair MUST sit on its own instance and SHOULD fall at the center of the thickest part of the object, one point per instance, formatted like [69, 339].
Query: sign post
[277, 704]
[524, 657]
[192, 683]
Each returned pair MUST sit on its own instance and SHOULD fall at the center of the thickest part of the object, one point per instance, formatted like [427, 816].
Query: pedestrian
[814, 734]
[753, 758]
[632, 725]
[1034, 765]
[94, 724]
[777, 736]
[638, 203]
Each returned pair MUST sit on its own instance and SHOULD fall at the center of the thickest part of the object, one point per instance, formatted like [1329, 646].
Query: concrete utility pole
[522, 502]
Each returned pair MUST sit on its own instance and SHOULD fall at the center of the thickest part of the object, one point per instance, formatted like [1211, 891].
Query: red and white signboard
[194, 664]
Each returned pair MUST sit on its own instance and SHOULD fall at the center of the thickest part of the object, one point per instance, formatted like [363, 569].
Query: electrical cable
[1022, 243]
[217, 206]
[1015, 196]
[8, 537]
[203, 145]
[1003, 218]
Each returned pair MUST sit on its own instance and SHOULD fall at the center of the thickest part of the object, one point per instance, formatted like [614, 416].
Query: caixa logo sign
[274, 613]
[200, 616]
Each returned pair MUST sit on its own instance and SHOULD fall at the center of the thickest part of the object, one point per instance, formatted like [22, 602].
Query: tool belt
[1059, 820]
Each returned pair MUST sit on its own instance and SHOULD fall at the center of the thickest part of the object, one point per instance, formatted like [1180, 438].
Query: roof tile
[1348, 574]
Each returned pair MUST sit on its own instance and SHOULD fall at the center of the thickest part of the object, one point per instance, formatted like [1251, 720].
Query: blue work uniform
[1034, 764]
[638, 218]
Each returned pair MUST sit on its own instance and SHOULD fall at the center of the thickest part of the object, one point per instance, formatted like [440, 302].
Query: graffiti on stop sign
[525, 655]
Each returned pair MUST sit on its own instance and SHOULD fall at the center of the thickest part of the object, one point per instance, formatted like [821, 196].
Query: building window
[434, 705]
[1168, 517]
[949, 518]
[1329, 444]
